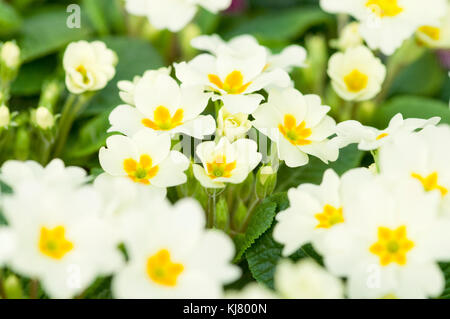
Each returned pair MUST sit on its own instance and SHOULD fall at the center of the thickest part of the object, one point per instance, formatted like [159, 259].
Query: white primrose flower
[356, 74]
[292, 56]
[385, 24]
[128, 88]
[145, 158]
[315, 209]
[163, 106]
[391, 241]
[59, 238]
[232, 126]
[299, 125]
[422, 157]
[234, 75]
[349, 37]
[121, 196]
[88, 66]
[172, 14]
[225, 162]
[436, 36]
[251, 291]
[55, 174]
[306, 280]
[370, 138]
[171, 255]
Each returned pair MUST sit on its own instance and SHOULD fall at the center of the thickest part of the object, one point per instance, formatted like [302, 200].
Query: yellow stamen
[53, 242]
[329, 217]
[430, 182]
[82, 70]
[384, 8]
[219, 167]
[140, 172]
[162, 270]
[381, 136]
[392, 245]
[233, 84]
[356, 81]
[296, 135]
[163, 121]
[432, 32]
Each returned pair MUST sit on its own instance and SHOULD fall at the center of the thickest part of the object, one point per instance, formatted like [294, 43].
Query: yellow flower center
[219, 167]
[356, 81]
[384, 8]
[140, 172]
[296, 134]
[53, 242]
[329, 217]
[163, 121]
[82, 70]
[432, 32]
[234, 82]
[392, 245]
[162, 270]
[381, 136]
[430, 182]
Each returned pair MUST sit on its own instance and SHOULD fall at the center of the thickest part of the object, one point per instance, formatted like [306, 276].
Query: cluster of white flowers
[384, 229]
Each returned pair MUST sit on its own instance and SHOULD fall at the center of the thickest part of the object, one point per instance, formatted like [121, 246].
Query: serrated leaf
[260, 221]
[411, 106]
[263, 258]
[282, 25]
[349, 157]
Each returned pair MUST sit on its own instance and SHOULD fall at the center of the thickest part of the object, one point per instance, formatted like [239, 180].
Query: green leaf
[46, 31]
[32, 76]
[445, 267]
[264, 256]
[10, 20]
[349, 157]
[260, 221]
[411, 106]
[95, 10]
[282, 25]
[424, 77]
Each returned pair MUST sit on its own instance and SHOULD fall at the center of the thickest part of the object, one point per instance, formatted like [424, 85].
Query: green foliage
[263, 258]
[423, 77]
[411, 106]
[282, 26]
[349, 157]
[260, 221]
[445, 267]
[45, 32]
[32, 76]
[10, 20]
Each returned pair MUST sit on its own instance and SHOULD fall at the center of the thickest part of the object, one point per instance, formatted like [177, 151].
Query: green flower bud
[266, 181]
[13, 288]
[221, 220]
[5, 116]
[9, 61]
[240, 216]
[43, 118]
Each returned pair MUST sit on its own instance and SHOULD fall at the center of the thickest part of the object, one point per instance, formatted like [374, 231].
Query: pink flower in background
[237, 6]
[444, 57]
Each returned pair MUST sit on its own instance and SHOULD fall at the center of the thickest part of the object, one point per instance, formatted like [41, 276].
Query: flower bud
[349, 37]
[10, 55]
[232, 126]
[5, 116]
[44, 118]
[221, 218]
[266, 181]
[12, 287]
